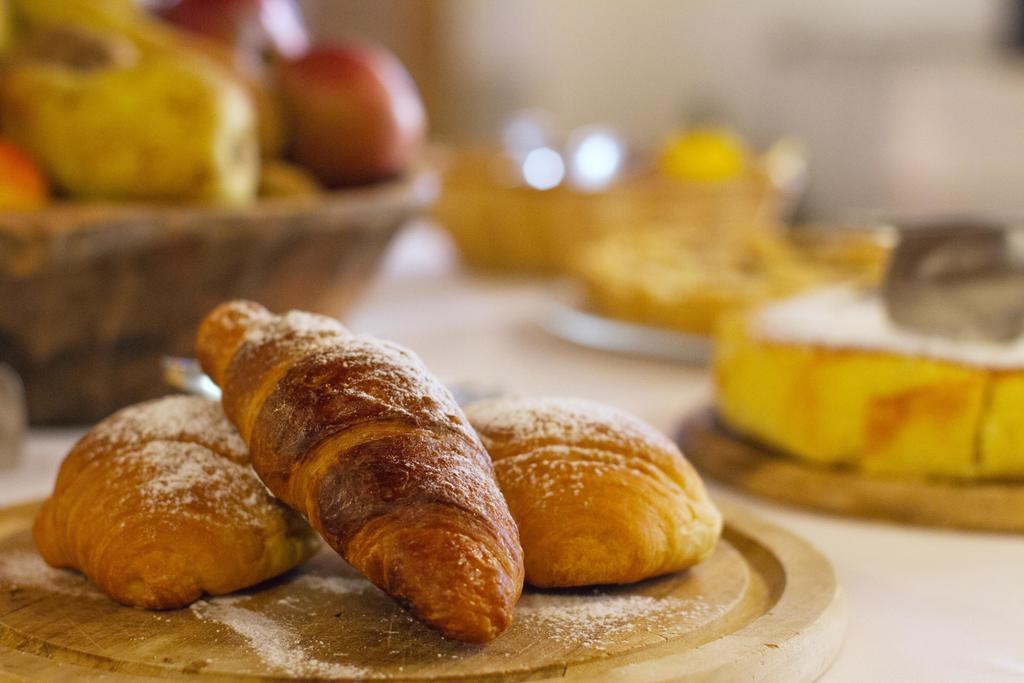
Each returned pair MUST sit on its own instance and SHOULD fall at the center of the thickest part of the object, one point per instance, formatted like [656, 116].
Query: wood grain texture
[948, 503]
[765, 606]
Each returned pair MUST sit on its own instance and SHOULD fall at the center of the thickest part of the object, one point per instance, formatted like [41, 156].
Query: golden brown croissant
[157, 504]
[359, 437]
[598, 495]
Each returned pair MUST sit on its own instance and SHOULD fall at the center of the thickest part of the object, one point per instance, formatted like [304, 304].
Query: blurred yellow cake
[688, 280]
[826, 378]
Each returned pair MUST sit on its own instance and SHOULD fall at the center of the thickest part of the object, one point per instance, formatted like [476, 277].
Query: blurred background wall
[914, 106]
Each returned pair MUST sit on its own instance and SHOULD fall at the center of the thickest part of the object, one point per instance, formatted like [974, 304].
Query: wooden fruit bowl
[92, 295]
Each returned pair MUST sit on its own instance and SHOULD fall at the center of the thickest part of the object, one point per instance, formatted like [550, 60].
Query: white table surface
[923, 605]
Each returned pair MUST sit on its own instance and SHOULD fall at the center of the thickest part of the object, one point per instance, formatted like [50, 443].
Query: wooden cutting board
[765, 606]
[720, 454]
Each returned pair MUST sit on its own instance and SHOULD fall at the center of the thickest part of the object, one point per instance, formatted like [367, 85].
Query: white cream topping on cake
[846, 318]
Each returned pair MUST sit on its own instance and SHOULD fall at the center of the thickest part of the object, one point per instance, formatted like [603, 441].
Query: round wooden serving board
[722, 455]
[764, 606]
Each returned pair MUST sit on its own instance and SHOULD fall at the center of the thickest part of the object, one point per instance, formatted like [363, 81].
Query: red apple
[258, 26]
[354, 112]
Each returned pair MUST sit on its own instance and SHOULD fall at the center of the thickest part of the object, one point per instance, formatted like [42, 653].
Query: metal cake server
[958, 279]
[185, 374]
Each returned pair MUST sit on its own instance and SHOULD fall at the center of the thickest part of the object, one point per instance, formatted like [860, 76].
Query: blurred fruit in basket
[80, 49]
[249, 36]
[258, 80]
[22, 185]
[124, 19]
[112, 101]
[282, 179]
[167, 127]
[265, 27]
[704, 155]
[354, 112]
[118, 103]
[115, 17]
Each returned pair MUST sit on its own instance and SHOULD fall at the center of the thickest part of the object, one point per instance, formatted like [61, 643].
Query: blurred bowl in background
[91, 296]
[504, 224]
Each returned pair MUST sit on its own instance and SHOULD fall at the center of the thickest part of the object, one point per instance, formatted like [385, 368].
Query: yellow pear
[127, 20]
[123, 17]
[168, 127]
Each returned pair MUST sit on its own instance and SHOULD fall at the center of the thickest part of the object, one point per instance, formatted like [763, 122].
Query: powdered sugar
[177, 476]
[389, 374]
[276, 628]
[410, 387]
[187, 457]
[22, 569]
[598, 619]
[293, 325]
[338, 585]
[559, 420]
[552, 471]
[180, 467]
[843, 318]
[552, 445]
[178, 418]
[277, 645]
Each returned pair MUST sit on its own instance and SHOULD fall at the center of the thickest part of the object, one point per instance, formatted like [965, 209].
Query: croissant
[367, 445]
[157, 504]
[599, 496]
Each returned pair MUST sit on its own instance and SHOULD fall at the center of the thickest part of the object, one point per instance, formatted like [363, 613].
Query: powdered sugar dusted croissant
[598, 495]
[157, 504]
[363, 441]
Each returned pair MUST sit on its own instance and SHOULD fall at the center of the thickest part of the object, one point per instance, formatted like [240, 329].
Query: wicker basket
[507, 227]
[91, 296]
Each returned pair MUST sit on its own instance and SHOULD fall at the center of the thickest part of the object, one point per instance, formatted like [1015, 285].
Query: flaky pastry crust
[599, 496]
[357, 436]
[157, 505]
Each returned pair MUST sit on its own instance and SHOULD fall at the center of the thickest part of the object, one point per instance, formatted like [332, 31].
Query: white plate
[607, 334]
